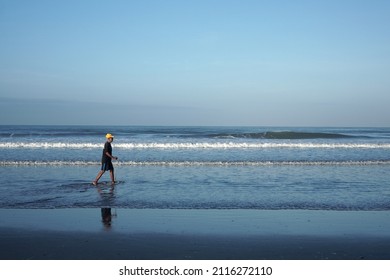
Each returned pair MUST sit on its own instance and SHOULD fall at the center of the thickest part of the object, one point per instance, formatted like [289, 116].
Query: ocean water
[197, 167]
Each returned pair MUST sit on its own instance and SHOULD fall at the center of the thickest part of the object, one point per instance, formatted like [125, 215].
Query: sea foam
[197, 163]
[195, 145]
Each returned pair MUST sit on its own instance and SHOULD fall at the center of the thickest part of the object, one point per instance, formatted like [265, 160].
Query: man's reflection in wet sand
[107, 196]
[106, 218]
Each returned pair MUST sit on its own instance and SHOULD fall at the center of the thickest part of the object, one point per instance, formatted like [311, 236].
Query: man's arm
[110, 156]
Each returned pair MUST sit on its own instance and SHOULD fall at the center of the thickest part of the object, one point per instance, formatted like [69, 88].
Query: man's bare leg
[100, 174]
[112, 176]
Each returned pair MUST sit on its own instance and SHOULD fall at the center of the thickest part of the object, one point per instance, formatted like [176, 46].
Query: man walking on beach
[107, 158]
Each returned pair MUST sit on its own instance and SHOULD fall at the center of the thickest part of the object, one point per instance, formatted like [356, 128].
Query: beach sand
[148, 234]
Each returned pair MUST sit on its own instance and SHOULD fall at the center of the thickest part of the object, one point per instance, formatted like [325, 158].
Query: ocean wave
[198, 163]
[48, 145]
[196, 145]
[282, 135]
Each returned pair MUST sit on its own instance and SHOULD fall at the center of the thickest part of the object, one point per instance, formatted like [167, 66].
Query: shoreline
[148, 234]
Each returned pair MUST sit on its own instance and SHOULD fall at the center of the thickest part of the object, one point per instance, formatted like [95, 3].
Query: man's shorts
[107, 166]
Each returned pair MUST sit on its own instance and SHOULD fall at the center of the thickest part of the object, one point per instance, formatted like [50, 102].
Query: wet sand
[147, 234]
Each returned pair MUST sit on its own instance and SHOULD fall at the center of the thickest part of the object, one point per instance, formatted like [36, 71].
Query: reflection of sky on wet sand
[214, 222]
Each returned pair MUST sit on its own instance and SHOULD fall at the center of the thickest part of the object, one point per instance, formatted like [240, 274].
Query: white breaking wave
[48, 163]
[200, 145]
[198, 163]
[48, 145]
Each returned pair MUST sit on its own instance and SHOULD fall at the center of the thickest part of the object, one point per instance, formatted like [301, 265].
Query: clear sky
[200, 62]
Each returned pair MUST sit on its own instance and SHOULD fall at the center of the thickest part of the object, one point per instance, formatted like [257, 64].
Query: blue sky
[214, 62]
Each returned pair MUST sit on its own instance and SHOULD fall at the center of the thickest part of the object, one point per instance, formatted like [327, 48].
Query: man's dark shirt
[107, 148]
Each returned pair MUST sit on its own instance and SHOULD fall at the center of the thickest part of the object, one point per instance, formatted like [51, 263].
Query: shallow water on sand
[233, 187]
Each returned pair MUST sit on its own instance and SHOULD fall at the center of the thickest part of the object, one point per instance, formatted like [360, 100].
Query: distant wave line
[196, 145]
[282, 135]
[198, 163]
[188, 133]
